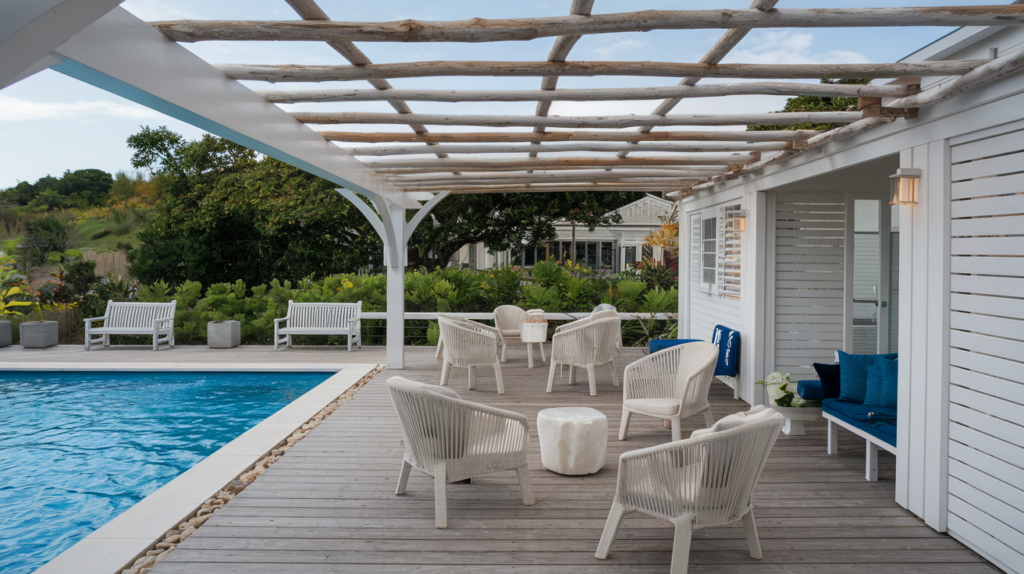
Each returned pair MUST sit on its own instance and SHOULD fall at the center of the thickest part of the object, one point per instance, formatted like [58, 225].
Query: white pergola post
[389, 222]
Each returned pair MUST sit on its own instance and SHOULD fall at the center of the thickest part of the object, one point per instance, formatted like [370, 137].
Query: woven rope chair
[508, 318]
[470, 344]
[439, 353]
[594, 316]
[696, 483]
[451, 439]
[671, 384]
[590, 344]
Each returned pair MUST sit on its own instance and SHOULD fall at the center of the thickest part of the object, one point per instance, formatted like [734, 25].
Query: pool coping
[118, 543]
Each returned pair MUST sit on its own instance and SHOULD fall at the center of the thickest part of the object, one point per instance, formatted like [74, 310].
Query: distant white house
[609, 248]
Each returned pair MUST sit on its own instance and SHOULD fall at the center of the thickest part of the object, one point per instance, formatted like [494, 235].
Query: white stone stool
[573, 440]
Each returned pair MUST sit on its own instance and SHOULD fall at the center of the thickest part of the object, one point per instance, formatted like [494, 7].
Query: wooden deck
[329, 505]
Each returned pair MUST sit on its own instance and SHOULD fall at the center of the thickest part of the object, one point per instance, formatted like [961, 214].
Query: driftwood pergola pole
[565, 136]
[674, 93]
[720, 50]
[503, 30]
[612, 122]
[307, 73]
[310, 11]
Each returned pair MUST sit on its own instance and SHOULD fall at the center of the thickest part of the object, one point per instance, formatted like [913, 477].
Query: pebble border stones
[188, 526]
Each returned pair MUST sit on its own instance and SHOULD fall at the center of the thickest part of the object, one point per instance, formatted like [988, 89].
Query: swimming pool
[79, 448]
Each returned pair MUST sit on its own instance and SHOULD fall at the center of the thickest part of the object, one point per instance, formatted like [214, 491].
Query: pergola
[101, 44]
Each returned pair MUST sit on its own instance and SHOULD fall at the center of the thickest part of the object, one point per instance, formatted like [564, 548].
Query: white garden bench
[133, 319]
[319, 319]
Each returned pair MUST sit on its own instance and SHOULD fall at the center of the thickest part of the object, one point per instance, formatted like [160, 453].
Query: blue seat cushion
[810, 390]
[661, 344]
[828, 374]
[853, 376]
[877, 421]
[728, 341]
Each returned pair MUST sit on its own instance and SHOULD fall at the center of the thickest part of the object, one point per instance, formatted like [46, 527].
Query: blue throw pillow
[889, 369]
[728, 342]
[853, 376]
[873, 385]
[828, 374]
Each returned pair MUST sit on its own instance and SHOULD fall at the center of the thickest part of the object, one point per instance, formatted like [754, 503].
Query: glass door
[867, 265]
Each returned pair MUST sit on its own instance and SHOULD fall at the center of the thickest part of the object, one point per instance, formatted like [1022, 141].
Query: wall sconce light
[740, 218]
[903, 186]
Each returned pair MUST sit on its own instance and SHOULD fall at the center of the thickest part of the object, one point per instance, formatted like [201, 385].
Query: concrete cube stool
[223, 334]
[573, 440]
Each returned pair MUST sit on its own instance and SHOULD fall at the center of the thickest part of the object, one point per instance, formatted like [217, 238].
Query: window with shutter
[709, 254]
[695, 251]
[729, 251]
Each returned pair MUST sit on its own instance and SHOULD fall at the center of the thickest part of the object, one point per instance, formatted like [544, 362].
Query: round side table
[573, 440]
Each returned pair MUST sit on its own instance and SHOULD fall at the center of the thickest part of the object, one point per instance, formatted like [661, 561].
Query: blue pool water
[79, 448]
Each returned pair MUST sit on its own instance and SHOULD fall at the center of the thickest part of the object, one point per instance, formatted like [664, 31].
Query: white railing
[432, 316]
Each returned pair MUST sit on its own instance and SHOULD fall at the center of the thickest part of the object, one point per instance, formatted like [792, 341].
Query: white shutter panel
[729, 253]
[695, 252]
[986, 354]
[809, 280]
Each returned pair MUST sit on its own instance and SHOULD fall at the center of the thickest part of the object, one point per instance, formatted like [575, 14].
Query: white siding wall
[809, 280]
[986, 348]
[709, 309]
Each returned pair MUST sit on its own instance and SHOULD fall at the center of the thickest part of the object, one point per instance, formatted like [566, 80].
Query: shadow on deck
[329, 505]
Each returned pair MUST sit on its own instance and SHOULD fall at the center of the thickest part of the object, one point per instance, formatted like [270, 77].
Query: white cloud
[155, 10]
[16, 109]
[618, 46]
[789, 47]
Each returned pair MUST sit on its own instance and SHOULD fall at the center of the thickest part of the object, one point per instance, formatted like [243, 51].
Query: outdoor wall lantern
[904, 186]
[740, 218]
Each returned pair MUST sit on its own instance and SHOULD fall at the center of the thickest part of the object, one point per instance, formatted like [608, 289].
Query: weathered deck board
[329, 506]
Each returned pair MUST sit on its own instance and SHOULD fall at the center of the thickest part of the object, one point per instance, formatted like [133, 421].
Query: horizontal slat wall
[986, 428]
[809, 247]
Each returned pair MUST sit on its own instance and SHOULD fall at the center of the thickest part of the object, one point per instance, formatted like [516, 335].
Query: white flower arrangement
[780, 394]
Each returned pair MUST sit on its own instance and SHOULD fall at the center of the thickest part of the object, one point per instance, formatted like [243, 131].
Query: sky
[50, 123]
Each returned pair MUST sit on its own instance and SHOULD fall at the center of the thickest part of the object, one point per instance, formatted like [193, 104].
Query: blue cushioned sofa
[856, 410]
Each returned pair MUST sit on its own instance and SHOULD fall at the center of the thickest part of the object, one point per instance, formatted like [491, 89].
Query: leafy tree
[80, 188]
[232, 215]
[814, 104]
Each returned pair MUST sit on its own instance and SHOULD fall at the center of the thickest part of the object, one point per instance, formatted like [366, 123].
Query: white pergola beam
[31, 29]
[123, 55]
[503, 30]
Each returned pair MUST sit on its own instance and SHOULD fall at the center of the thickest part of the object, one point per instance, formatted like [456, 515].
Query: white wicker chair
[591, 343]
[697, 483]
[507, 319]
[451, 439]
[470, 344]
[594, 316]
[671, 384]
[439, 353]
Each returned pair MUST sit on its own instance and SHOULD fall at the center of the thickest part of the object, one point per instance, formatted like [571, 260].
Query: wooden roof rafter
[718, 52]
[680, 161]
[310, 11]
